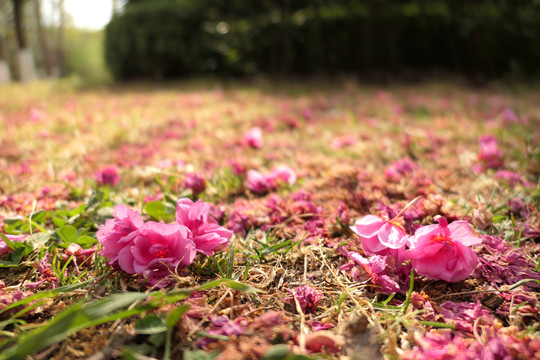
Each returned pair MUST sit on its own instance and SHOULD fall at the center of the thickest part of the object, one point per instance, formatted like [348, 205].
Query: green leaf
[499, 218]
[522, 282]
[160, 211]
[175, 315]
[40, 216]
[198, 355]
[229, 283]
[78, 316]
[47, 294]
[68, 233]
[86, 240]
[13, 259]
[277, 352]
[83, 315]
[8, 242]
[150, 324]
[275, 247]
[438, 324]
[58, 222]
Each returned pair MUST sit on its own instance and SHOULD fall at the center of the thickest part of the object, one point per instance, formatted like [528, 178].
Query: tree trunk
[5, 76]
[19, 23]
[61, 54]
[43, 40]
[27, 71]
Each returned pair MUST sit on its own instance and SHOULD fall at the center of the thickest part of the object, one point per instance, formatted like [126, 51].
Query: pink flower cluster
[490, 156]
[399, 169]
[261, 183]
[195, 182]
[254, 138]
[155, 250]
[108, 176]
[438, 252]
[308, 298]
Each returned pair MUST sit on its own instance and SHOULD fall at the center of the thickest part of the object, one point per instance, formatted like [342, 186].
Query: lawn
[266, 219]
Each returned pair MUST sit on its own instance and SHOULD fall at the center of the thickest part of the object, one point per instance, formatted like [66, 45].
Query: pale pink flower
[108, 176]
[440, 252]
[399, 169]
[254, 137]
[160, 272]
[117, 235]
[512, 178]
[344, 141]
[489, 154]
[380, 235]
[376, 267]
[260, 183]
[168, 244]
[207, 234]
[308, 298]
[509, 116]
[4, 248]
[284, 174]
[196, 183]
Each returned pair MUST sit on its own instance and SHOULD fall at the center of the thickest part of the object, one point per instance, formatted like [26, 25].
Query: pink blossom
[509, 116]
[343, 141]
[169, 244]
[108, 176]
[380, 235]
[463, 314]
[400, 168]
[117, 235]
[36, 115]
[500, 263]
[376, 267]
[195, 182]
[254, 137]
[207, 234]
[79, 254]
[512, 178]
[440, 252]
[518, 207]
[4, 248]
[222, 325]
[284, 174]
[489, 154]
[260, 183]
[159, 272]
[308, 298]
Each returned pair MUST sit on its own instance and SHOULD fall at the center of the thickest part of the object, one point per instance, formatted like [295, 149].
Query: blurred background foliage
[371, 39]
[58, 49]
[174, 38]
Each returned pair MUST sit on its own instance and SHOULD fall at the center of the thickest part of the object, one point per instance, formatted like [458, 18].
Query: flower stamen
[441, 238]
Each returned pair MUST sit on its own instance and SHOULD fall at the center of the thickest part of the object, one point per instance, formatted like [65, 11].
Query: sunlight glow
[91, 15]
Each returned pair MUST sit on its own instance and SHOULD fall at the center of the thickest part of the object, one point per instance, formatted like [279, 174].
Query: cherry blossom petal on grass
[119, 233]
[439, 252]
[207, 235]
[171, 242]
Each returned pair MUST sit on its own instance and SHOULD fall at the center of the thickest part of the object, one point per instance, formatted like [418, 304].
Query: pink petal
[368, 226]
[461, 232]
[391, 236]
[423, 235]
[125, 260]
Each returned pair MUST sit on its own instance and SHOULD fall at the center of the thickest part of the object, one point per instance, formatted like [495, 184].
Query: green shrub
[162, 39]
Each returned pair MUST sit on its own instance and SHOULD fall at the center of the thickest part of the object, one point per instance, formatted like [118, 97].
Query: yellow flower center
[162, 253]
[441, 238]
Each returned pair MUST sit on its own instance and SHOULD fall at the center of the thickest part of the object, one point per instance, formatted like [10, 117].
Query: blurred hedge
[161, 38]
